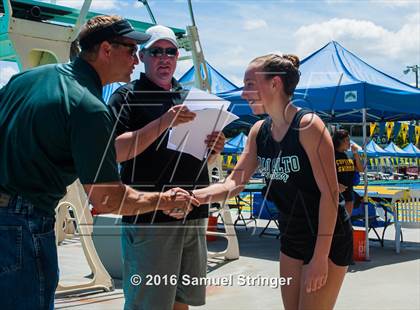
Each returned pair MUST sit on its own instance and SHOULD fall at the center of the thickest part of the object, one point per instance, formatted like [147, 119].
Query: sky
[385, 34]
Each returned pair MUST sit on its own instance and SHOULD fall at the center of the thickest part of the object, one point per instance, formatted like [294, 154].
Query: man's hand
[176, 115]
[177, 202]
[216, 141]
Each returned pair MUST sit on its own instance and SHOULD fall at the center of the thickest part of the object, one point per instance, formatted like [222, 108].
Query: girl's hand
[316, 274]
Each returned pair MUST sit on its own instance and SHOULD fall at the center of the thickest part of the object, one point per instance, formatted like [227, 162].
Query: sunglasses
[160, 51]
[132, 47]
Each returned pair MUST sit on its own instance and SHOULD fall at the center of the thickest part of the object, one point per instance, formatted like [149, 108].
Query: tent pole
[365, 194]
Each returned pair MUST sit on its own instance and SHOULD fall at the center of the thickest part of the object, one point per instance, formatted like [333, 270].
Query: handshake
[177, 202]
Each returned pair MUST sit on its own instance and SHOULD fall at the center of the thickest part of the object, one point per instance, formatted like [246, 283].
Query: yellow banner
[372, 128]
[389, 127]
[417, 131]
[404, 131]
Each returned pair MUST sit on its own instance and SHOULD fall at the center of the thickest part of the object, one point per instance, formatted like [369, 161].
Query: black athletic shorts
[302, 247]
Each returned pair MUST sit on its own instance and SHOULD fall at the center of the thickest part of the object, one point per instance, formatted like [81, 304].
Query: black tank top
[290, 181]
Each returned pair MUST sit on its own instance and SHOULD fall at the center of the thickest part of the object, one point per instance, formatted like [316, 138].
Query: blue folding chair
[379, 216]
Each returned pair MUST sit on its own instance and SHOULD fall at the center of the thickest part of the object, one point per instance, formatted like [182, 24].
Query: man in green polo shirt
[55, 128]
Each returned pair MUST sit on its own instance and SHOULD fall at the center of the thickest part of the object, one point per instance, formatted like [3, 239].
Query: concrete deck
[387, 281]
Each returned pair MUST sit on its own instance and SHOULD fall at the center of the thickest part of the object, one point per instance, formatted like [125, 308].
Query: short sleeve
[121, 111]
[93, 143]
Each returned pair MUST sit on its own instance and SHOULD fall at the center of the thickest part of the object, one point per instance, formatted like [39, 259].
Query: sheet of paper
[199, 100]
[189, 137]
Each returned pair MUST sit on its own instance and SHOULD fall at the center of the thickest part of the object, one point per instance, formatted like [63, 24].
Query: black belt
[4, 199]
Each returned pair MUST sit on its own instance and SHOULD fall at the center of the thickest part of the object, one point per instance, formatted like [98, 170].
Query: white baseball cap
[157, 33]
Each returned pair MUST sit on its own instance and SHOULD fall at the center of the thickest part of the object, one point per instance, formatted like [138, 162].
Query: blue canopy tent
[374, 150]
[339, 86]
[235, 145]
[412, 149]
[394, 150]
[218, 83]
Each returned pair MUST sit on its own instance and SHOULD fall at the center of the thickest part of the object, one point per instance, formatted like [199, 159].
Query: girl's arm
[318, 145]
[240, 175]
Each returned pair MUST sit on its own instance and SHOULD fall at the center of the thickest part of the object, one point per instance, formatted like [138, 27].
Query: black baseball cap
[121, 28]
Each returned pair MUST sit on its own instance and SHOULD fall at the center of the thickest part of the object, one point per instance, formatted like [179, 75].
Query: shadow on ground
[268, 248]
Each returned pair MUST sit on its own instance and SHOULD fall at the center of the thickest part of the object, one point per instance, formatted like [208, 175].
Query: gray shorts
[162, 255]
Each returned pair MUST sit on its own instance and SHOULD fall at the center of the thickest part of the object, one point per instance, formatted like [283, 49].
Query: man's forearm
[130, 144]
[136, 202]
[121, 199]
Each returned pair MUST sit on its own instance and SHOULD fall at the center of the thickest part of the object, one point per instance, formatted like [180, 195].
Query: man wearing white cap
[163, 248]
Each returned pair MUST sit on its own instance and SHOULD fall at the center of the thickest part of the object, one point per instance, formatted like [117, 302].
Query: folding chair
[379, 216]
[239, 203]
[272, 215]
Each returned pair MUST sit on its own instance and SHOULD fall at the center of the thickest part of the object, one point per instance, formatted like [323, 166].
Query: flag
[372, 128]
[389, 127]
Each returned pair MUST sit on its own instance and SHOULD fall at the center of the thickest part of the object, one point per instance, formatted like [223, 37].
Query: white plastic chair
[406, 206]
[77, 200]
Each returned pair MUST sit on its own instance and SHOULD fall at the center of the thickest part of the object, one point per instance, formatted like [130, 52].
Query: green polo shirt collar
[85, 74]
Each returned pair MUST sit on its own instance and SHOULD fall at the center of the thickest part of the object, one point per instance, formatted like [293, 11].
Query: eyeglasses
[160, 51]
[132, 47]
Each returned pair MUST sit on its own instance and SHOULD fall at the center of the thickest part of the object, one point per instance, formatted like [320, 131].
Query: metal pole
[365, 194]
[82, 18]
[191, 12]
[152, 17]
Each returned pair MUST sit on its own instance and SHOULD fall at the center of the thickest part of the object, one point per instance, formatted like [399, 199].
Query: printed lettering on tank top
[344, 165]
[278, 168]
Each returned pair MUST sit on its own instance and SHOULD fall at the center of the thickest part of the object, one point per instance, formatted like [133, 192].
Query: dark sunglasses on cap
[160, 51]
[132, 47]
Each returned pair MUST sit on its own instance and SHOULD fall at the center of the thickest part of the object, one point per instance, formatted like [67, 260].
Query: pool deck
[387, 281]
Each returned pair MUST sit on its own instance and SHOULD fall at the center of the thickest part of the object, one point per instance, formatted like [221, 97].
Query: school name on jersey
[278, 168]
[344, 165]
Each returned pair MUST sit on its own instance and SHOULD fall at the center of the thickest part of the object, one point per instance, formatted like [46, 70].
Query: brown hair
[285, 66]
[94, 24]
[339, 136]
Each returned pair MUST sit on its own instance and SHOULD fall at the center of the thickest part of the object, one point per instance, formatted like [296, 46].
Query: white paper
[198, 100]
[189, 137]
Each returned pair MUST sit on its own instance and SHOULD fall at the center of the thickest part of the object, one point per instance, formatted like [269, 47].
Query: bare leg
[290, 267]
[324, 298]
[179, 306]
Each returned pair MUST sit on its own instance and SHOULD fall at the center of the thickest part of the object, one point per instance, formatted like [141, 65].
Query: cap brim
[149, 44]
[139, 37]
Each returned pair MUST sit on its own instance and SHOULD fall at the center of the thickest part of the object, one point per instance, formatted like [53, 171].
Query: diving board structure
[34, 33]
